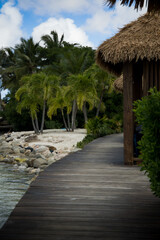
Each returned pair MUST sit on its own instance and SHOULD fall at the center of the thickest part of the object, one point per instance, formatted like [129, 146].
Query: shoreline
[17, 175]
[32, 153]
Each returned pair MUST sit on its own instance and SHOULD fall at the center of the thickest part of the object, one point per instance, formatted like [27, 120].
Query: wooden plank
[128, 113]
[96, 200]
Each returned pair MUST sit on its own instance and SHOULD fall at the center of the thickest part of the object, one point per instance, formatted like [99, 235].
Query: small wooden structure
[135, 53]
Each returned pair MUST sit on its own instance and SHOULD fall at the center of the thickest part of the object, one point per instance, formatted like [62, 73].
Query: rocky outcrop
[15, 149]
[33, 153]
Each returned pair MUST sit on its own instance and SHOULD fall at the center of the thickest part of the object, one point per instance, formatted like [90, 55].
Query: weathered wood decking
[87, 195]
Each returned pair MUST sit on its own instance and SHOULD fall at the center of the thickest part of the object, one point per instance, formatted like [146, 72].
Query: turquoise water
[13, 185]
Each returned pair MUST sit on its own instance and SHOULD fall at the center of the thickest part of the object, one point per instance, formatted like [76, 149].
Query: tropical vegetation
[147, 113]
[55, 84]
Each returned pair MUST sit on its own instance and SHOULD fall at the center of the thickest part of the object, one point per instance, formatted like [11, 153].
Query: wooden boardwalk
[87, 195]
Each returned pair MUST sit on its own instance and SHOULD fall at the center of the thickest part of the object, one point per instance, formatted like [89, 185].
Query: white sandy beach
[33, 153]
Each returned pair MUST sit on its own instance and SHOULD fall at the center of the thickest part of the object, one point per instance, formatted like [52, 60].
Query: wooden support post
[146, 76]
[128, 125]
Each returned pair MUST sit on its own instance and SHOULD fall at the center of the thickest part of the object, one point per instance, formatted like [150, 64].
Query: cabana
[135, 53]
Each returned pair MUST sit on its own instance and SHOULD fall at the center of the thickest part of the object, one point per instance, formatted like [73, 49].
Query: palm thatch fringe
[118, 84]
[138, 40]
[153, 5]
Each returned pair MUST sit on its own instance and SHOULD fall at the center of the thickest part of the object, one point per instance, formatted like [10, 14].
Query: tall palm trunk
[36, 124]
[33, 124]
[85, 112]
[43, 115]
[64, 120]
[68, 120]
[74, 112]
[100, 102]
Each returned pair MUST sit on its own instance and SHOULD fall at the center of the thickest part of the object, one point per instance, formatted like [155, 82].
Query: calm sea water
[13, 185]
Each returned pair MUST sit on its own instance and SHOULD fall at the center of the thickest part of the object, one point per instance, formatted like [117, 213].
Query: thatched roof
[138, 40]
[118, 84]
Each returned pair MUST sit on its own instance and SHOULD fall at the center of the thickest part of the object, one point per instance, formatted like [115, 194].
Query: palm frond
[153, 5]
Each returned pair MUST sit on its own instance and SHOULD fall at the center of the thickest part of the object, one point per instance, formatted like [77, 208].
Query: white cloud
[54, 6]
[109, 22]
[10, 25]
[66, 26]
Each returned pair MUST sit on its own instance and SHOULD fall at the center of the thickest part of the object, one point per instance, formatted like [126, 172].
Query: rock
[43, 166]
[5, 145]
[34, 171]
[31, 138]
[52, 148]
[40, 149]
[16, 150]
[50, 161]
[7, 135]
[9, 139]
[38, 155]
[38, 162]
[8, 160]
[27, 152]
[22, 150]
[24, 164]
[20, 160]
[6, 148]
[46, 153]
[15, 143]
[29, 148]
[22, 167]
[1, 158]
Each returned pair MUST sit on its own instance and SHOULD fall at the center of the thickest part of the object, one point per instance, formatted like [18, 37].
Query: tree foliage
[153, 5]
[54, 78]
[147, 113]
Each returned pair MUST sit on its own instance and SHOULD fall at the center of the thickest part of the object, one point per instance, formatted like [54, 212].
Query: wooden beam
[128, 113]
[146, 84]
[137, 80]
[156, 74]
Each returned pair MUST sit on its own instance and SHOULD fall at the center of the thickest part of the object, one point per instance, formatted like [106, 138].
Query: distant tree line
[54, 78]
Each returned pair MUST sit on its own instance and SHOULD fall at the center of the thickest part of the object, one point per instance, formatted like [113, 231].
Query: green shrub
[85, 141]
[147, 112]
[99, 127]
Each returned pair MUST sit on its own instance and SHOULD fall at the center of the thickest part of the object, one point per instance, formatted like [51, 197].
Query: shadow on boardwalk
[87, 195]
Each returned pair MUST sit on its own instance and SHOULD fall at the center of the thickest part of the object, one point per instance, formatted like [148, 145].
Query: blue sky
[87, 22]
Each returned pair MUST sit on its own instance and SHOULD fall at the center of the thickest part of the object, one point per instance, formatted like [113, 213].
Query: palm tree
[27, 57]
[153, 5]
[75, 60]
[34, 93]
[60, 102]
[51, 51]
[28, 101]
[81, 91]
[103, 83]
[7, 75]
[22, 60]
